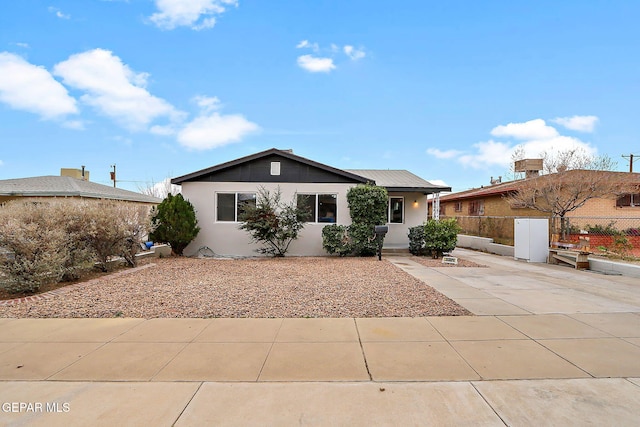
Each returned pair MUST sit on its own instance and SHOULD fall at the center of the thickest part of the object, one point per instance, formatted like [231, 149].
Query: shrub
[38, 249]
[336, 240]
[116, 229]
[621, 245]
[416, 241]
[273, 223]
[72, 214]
[60, 240]
[174, 221]
[368, 206]
[440, 236]
[608, 230]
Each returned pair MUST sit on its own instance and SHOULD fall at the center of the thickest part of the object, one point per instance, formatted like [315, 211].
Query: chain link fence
[499, 228]
[616, 236]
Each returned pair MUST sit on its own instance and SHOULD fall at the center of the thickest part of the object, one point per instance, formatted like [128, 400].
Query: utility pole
[113, 175]
[631, 159]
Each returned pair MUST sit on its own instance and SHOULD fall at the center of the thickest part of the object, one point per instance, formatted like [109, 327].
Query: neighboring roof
[510, 186]
[66, 186]
[283, 153]
[489, 190]
[398, 180]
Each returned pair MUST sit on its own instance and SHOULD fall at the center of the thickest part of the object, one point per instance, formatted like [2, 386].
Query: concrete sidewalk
[575, 363]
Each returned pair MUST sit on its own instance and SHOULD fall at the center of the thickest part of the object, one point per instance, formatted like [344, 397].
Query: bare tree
[160, 189]
[570, 178]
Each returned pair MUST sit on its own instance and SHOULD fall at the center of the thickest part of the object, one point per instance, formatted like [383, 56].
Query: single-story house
[219, 192]
[45, 187]
[491, 200]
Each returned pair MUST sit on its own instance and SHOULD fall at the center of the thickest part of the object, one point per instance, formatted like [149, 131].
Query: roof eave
[425, 190]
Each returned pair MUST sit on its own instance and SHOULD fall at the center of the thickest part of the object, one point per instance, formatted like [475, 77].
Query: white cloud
[448, 154]
[535, 137]
[579, 123]
[58, 12]
[354, 53]
[1, 163]
[304, 44]
[533, 129]
[215, 130]
[28, 87]
[488, 153]
[316, 65]
[196, 14]
[114, 89]
[207, 103]
[22, 45]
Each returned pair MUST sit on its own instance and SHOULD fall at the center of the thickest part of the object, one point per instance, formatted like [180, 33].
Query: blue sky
[445, 89]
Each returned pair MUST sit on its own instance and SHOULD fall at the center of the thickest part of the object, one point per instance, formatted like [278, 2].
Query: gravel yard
[263, 287]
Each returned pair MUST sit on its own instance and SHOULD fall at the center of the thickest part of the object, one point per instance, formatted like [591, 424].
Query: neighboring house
[218, 194]
[487, 203]
[41, 188]
[490, 201]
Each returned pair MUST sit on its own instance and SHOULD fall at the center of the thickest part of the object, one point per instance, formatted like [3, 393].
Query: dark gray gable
[257, 168]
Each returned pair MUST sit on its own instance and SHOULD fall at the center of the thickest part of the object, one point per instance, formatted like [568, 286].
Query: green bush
[336, 240]
[605, 230]
[368, 205]
[174, 222]
[416, 241]
[273, 223]
[440, 236]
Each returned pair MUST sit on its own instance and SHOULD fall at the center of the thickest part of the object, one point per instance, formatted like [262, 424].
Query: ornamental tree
[273, 223]
[174, 221]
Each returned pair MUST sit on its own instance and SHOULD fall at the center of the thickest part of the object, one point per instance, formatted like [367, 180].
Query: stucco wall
[224, 238]
[414, 214]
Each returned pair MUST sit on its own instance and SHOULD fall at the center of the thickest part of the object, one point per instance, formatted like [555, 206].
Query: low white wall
[612, 267]
[484, 244]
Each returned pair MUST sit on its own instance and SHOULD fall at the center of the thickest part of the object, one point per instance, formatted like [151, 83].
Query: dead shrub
[37, 247]
[61, 239]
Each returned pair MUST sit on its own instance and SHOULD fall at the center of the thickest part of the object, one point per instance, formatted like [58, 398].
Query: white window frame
[315, 220]
[389, 210]
[235, 202]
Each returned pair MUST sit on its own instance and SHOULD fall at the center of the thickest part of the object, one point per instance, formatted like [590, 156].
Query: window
[396, 210]
[275, 168]
[628, 200]
[320, 207]
[232, 206]
[458, 207]
[476, 207]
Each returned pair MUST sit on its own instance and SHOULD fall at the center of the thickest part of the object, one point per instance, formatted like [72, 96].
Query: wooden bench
[578, 259]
